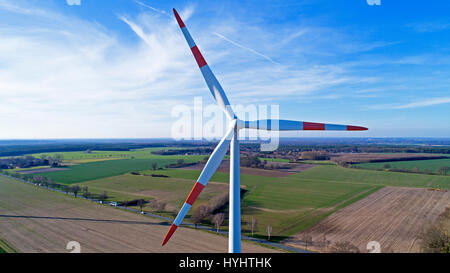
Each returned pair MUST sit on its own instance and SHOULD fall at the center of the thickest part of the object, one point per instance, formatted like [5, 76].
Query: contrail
[246, 48]
[154, 9]
[217, 34]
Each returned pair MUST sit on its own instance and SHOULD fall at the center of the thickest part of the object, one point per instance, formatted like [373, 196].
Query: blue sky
[107, 69]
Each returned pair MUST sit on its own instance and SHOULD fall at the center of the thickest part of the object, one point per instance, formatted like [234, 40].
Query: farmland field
[106, 168]
[392, 216]
[289, 204]
[268, 159]
[33, 219]
[170, 190]
[83, 155]
[327, 174]
[422, 165]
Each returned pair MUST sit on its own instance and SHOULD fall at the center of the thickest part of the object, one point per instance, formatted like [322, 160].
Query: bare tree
[218, 220]
[252, 224]
[200, 214]
[75, 190]
[161, 206]
[323, 242]
[269, 230]
[218, 202]
[50, 183]
[154, 165]
[307, 240]
[103, 196]
[85, 191]
[153, 204]
[344, 247]
[435, 240]
[140, 203]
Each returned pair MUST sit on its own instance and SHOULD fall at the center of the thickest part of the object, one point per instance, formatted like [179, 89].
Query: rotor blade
[210, 168]
[213, 84]
[291, 125]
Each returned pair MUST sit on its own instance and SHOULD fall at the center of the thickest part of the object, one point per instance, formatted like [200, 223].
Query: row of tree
[315, 155]
[156, 206]
[212, 211]
[76, 190]
[288, 149]
[190, 151]
[30, 161]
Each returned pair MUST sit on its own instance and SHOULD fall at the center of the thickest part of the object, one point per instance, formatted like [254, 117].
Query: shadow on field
[85, 219]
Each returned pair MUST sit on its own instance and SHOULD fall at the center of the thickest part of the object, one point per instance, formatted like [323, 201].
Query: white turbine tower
[231, 139]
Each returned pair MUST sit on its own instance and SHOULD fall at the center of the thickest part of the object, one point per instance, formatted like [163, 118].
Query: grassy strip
[6, 248]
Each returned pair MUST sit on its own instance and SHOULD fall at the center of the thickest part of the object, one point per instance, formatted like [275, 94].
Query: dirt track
[392, 216]
[36, 220]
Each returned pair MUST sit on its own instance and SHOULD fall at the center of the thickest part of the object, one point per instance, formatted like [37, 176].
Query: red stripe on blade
[194, 193]
[198, 57]
[180, 22]
[356, 128]
[313, 126]
[169, 234]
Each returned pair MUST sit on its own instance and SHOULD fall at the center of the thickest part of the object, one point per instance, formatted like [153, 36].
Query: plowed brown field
[33, 219]
[225, 167]
[392, 216]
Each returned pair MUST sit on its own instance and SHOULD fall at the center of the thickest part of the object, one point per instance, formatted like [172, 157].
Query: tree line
[30, 161]
[286, 149]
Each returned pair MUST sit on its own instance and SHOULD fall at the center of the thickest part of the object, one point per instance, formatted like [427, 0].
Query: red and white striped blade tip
[169, 234]
[177, 16]
[356, 128]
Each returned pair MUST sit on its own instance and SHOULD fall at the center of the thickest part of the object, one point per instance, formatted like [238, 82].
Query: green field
[289, 204]
[282, 160]
[360, 176]
[330, 174]
[286, 204]
[83, 155]
[107, 168]
[430, 164]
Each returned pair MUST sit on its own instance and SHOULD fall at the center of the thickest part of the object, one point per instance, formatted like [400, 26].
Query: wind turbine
[231, 140]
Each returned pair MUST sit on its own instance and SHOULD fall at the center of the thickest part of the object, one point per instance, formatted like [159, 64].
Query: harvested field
[392, 216]
[36, 220]
[225, 168]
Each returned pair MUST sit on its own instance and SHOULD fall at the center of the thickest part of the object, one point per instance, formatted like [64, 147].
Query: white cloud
[73, 2]
[75, 79]
[67, 77]
[429, 26]
[424, 103]
[415, 104]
